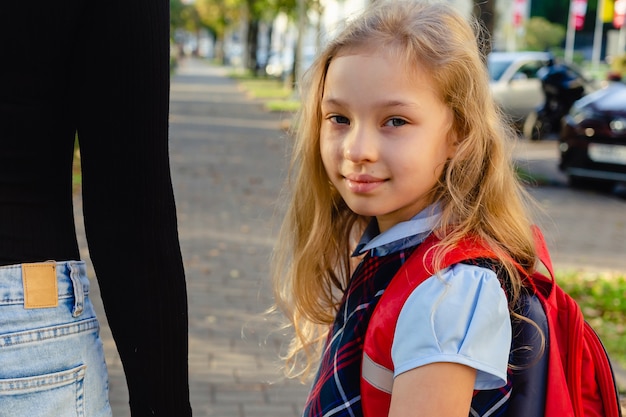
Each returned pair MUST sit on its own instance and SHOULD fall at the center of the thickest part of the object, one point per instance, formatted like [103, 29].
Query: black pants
[99, 70]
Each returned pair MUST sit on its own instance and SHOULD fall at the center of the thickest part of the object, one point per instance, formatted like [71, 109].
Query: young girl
[397, 139]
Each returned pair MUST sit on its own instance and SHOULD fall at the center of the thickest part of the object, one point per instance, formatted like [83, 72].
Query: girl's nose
[360, 146]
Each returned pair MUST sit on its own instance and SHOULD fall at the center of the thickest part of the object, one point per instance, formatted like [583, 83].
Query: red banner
[519, 12]
[579, 10]
[618, 13]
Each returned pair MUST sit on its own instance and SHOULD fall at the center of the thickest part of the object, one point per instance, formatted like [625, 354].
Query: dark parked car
[592, 142]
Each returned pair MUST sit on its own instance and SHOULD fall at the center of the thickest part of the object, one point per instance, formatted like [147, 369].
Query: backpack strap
[377, 367]
[542, 283]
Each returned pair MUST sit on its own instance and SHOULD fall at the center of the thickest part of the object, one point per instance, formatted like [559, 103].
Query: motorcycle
[561, 89]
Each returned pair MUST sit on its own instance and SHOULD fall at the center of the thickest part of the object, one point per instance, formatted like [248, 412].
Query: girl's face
[384, 136]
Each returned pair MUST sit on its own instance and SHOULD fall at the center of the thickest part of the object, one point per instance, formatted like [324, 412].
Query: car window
[497, 68]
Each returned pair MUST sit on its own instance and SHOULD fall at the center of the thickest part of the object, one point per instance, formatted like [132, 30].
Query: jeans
[51, 358]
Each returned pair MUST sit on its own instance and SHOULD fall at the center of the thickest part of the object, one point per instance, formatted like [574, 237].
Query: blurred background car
[592, 142]
[516, 86]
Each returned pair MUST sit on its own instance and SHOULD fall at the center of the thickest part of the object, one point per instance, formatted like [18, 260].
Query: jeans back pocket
[58, 394]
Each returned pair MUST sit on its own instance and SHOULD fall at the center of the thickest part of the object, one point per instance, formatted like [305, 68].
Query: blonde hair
[479, 192]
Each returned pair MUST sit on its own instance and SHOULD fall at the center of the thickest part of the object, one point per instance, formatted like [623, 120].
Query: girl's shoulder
[465, 279]
[460, 315]
[455, 300]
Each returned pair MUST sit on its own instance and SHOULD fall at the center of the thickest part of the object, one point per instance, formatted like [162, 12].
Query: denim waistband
[72, 281]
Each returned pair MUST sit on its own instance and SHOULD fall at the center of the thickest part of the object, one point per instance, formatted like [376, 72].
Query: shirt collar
[400, 236]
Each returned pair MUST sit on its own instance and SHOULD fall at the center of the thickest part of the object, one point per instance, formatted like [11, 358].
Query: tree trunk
[484, 10]
[252, 43]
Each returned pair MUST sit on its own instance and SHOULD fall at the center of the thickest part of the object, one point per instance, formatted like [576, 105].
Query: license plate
[608, 154]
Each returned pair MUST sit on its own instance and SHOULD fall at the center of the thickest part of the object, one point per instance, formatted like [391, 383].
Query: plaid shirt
[336, 389]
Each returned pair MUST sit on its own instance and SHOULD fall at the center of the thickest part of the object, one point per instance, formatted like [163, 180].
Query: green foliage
[602, 299]
[77, 177]
[218, 15]
[173, 64]
[275, 95]
[577, 57]
[529, 178]
[283, 106]
[542, 35]
[183, 16]
[556, 10]
[264, 88]
[176, 9]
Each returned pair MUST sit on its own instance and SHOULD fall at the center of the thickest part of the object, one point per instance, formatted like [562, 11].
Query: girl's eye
[340, 120]
[395, 122]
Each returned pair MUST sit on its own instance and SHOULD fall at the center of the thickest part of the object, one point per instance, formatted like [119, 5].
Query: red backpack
[573, 379]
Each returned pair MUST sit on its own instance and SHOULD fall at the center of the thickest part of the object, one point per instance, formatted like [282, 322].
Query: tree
[484, 10]
[258, 11]
[221, 15]
[182, 16]
[176, 15]
[556, 11]
[541, 35]
[263, 11]
[218, 16]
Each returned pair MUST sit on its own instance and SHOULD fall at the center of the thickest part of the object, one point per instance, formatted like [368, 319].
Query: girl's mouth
[362, 183]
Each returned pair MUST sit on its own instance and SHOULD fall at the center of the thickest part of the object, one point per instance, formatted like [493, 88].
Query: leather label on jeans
[40, 285]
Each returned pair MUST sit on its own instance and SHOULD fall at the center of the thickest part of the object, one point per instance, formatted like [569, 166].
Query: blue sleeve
[459, 316]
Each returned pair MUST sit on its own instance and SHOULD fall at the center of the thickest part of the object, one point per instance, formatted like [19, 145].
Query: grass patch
[271, 93]
[261, 84]
[242, 74]
[529, 178]
[266, 89]
[77, 176]
[602, 298]
[276, 95]
[290, 106]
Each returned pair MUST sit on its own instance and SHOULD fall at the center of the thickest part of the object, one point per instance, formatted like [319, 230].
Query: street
[585, 230]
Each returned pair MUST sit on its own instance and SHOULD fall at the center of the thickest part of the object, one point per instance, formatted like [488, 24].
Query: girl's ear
[453, 134]
[453, 143]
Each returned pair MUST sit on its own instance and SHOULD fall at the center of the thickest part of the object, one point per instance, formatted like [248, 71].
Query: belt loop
[79, 294]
